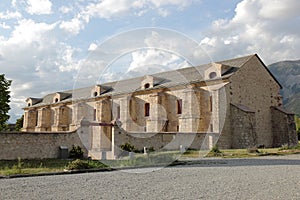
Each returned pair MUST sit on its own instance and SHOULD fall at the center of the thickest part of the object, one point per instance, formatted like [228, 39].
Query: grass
[10, 167]
[166, 158]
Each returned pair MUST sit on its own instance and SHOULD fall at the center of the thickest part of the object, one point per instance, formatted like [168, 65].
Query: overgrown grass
[9, 167]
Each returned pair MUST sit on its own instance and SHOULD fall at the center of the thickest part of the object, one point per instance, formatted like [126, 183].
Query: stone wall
[163, 141]
[35, 145]
[254, 87]
[243, 127]
[284, 128]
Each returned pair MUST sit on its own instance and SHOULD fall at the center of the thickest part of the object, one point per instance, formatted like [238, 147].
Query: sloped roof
[169, 78]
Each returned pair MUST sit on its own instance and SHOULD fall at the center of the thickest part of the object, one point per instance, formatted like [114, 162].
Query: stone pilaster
[61, 119]
[158, 116]
[44, 120]
[125, 117]
[30, 120]
[190, 117]
[102, 135]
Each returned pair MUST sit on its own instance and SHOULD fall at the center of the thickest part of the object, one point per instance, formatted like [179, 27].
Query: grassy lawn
[9, 167]
[156, 158]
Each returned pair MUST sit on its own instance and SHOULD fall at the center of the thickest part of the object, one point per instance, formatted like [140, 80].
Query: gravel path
[258, 178]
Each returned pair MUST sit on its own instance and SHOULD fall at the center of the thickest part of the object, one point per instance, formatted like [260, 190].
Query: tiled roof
[169, 78]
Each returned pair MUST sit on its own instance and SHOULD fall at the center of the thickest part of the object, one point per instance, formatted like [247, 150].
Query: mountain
[288, 74]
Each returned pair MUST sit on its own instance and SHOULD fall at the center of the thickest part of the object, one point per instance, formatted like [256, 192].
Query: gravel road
[255, 178]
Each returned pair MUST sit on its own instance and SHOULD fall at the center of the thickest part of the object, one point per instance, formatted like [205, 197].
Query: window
[147, 109]
[118, 112]
[95, 94]
[147, 85]
[28, 104]
[211, 104]
[56, 100]
[212, 75]
[95, 114]
[179, 106]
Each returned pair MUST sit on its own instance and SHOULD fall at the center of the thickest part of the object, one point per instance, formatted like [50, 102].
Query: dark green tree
[4, 101]
[19, 123]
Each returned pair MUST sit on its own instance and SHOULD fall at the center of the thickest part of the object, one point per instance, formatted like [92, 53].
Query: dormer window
[147, 85]
[212, 75]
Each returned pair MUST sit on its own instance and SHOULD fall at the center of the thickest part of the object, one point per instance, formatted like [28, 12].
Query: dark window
[179, 106]
[28, 104]
[212, 75]
[147, 109]
[56, 100]
[147, 85]
[95, 94]
[36, 118]
[118, 112]
[95, 114]
[211, 103]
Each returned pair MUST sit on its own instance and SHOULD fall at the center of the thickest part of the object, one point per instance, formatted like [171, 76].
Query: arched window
[147, 109]
[212, 75]
[95, 94]
[56, 100]
[28, 104]
[179, 106]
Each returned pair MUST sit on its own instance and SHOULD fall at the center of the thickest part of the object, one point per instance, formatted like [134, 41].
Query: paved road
[260, 178]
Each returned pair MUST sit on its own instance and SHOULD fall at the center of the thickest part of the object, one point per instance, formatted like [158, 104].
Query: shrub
[76, 152]
[127, 147]
[78, 164]
[215, 151]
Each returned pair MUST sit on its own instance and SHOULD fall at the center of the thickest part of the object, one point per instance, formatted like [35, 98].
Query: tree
[19, 123]
[4, 101]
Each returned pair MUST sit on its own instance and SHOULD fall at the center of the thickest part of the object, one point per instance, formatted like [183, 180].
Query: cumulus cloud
[258, 26]
[36, 62]
[10, 15]
[38, 7]
[111, 9]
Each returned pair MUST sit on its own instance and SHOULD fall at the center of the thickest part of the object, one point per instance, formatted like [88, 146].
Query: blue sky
[51, 45]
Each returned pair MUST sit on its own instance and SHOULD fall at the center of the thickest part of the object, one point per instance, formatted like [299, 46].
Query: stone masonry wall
[164, 141]
[284, 128]
[35, 145]
[243, 128]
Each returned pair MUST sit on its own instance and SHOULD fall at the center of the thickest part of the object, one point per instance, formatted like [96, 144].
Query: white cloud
[92, 47]
[10, 15]
[36, 62]
[74, 26]
[39, 7]
[28, 31]
[4, 26]
[258, 26]
[65, 9]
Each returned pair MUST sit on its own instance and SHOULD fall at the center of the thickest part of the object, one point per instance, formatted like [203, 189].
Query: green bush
[215, 151]
[76, 152]
[78, 164]
[127, 147]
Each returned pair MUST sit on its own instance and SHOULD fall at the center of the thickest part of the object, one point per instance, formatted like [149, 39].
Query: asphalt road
[259, 178]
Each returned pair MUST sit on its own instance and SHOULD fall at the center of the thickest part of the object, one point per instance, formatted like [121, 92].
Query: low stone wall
[164, 140]
[28, 145]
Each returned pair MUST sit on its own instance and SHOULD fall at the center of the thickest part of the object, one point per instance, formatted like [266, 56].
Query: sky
[48, 46]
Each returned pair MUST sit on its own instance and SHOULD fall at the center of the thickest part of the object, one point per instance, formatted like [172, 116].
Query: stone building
[234, 103]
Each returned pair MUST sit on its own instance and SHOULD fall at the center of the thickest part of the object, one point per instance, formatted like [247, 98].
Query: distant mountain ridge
[288, 74]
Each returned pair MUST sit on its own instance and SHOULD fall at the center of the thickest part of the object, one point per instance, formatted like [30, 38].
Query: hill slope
[288, 74]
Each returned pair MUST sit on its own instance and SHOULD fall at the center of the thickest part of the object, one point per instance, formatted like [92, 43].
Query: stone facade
[229, 102]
